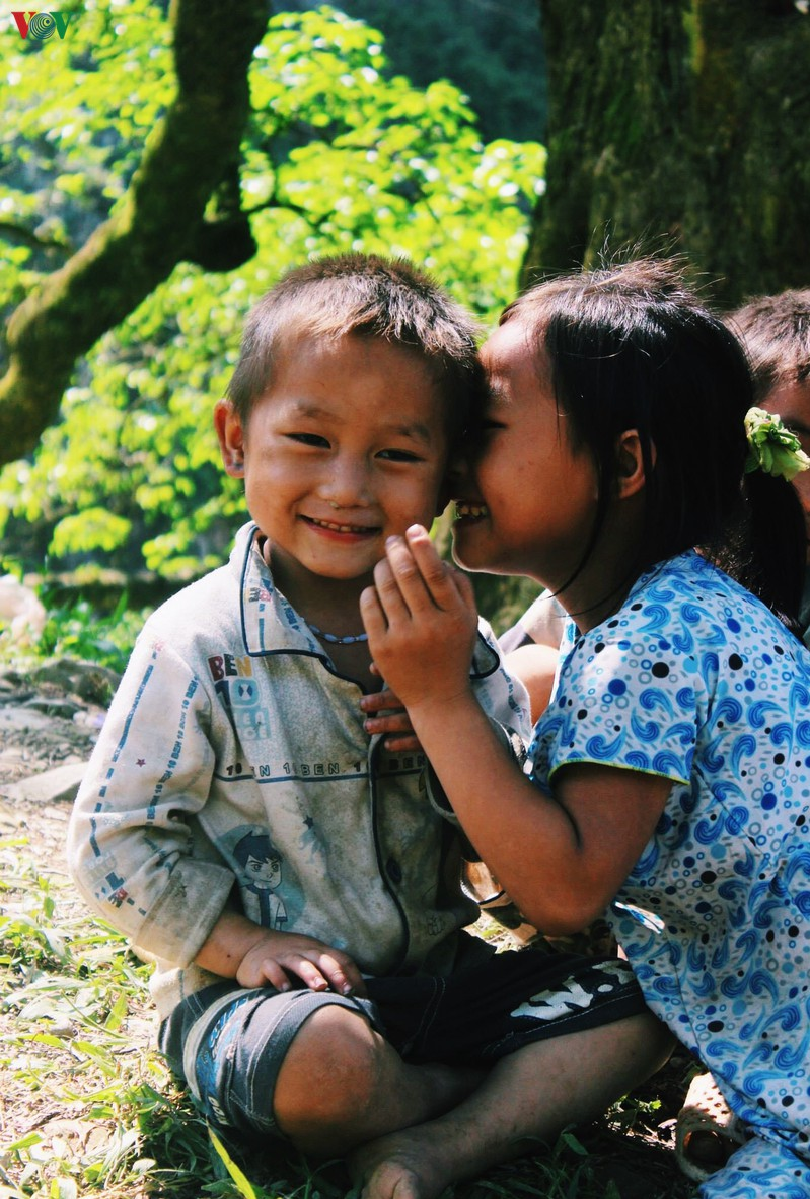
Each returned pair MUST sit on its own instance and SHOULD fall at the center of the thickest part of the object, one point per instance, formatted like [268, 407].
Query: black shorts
[228, 1043]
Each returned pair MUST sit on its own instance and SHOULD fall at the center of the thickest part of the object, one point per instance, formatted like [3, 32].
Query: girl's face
[527, 501]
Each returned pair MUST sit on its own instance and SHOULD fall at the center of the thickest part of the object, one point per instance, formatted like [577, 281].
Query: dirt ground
[46, 725]
[52, 721]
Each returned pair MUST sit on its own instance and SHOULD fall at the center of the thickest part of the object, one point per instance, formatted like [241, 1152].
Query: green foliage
[79, 632]
[339, 155]
[76, 111]
[95, 528]
[76, 630]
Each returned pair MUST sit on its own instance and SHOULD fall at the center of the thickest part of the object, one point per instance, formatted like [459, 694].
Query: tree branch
[157, 225]
[9, 231]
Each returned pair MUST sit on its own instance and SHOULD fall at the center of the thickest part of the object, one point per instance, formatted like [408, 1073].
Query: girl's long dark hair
[631, 347]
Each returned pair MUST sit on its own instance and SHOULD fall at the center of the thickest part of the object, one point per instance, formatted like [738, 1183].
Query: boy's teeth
[464, 509]
[327, 524]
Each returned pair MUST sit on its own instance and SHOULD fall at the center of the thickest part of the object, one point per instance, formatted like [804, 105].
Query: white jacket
[233, 769]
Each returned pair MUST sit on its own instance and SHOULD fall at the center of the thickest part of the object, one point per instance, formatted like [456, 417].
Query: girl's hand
[421, 622]
[385, 714]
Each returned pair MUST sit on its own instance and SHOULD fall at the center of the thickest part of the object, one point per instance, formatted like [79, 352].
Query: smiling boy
[333, 999]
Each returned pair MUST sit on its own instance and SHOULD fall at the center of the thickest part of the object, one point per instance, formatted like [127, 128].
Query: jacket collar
[271, 625]
[269, 622]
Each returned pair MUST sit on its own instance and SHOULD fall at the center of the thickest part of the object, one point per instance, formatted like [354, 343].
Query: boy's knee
[329, 1077]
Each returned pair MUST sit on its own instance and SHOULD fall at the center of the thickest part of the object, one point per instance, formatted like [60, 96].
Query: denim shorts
[228, 1043]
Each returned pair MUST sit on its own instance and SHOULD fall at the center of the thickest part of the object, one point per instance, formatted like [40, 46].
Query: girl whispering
[668, 782]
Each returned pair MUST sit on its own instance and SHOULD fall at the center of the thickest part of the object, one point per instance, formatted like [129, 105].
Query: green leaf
[240, 1180]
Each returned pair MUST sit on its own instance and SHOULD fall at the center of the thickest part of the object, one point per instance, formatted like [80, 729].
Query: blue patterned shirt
[696, 681]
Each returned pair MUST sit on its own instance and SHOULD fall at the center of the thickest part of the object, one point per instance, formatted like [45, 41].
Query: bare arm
[561, 857]
[255, 956]
[535, 666]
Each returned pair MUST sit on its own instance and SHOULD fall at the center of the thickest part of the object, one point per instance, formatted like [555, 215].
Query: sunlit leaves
[76, 111]
[95, 528]
[338, 155]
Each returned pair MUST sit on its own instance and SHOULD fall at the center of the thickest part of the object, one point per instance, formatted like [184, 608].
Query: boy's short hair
[776, 333]
[364, 296]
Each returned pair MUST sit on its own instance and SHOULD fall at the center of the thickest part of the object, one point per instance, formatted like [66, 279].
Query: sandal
[482, 886]
[706, 1132]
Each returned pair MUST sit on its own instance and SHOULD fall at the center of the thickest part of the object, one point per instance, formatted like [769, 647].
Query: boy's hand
[385, 714]
[421, 621]
[278, 956]
[255, 956]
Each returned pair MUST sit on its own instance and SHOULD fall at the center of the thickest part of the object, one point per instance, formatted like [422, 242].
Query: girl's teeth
[463, 509]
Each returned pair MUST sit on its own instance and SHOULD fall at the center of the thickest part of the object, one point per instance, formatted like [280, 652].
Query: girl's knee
[329, 1078]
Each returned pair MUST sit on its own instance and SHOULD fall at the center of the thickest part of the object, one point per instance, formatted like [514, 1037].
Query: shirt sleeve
[132, 849]
[502, 695]
[627, 701]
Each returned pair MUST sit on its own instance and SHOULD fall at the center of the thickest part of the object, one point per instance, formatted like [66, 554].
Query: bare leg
[342, 1084]
[528, 1097]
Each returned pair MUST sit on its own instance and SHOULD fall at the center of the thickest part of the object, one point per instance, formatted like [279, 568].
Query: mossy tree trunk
[683, 123]
[677, 124]
[180, 206]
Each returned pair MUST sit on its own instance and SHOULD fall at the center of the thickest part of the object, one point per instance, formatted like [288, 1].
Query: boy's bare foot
[402, 1165]
[521, 1104]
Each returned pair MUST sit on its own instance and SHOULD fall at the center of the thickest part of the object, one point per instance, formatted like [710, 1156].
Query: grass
[88, 1106]
[94, 1108]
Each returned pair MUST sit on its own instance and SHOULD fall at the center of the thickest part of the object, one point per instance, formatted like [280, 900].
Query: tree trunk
[192, 156]
[682, 124]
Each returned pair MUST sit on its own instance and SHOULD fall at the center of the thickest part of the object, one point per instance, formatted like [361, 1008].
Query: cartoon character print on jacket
[261, 868]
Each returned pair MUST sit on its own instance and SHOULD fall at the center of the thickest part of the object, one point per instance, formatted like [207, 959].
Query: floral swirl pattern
[694, 680]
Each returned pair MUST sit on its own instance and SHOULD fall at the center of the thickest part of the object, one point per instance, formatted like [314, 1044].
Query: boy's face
[791, 401]
[347, 446]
